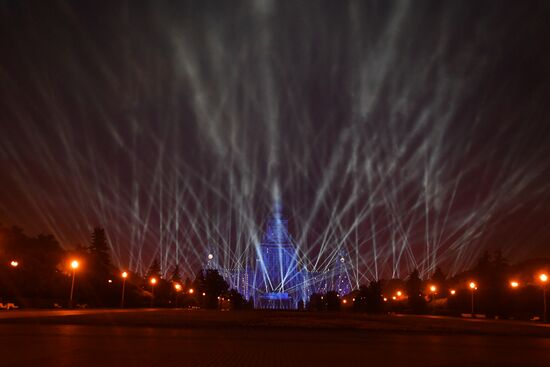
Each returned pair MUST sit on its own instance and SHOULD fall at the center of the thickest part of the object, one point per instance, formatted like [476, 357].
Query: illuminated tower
[340, 277]
[277, 277]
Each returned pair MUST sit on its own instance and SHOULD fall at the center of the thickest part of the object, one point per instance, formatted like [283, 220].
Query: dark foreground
[200, 338]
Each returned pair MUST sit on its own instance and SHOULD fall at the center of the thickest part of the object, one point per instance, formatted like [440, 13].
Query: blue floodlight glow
[275, 280]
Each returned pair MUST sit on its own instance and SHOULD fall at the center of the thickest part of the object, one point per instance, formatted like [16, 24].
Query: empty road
[198, 338]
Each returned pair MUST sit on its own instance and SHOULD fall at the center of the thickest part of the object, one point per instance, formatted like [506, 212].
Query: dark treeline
[499, 289]
[37, 272]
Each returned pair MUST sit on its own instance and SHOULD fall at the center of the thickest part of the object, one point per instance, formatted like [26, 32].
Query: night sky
[396, 134]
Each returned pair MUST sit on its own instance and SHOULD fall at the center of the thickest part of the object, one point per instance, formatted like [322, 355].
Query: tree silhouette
[154, 270]
[483, 264]
[236, 300]
[416, 301]
[316, 302]
[332, 301]
[374, 297]
[492, 273]
[210, 285]
[99, 266]
[36, 280]
[439, 279]
[175, 276]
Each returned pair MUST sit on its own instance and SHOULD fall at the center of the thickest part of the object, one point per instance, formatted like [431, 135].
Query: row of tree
[36, 272]
[500, 290]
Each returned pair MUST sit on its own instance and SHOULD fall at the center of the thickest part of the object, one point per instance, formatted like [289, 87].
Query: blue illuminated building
[276, 279]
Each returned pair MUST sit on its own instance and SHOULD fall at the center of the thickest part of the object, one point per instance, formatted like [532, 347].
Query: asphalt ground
[255, 338]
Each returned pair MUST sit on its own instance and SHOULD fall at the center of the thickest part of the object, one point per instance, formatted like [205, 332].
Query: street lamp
[514, 284]
[453, 292]
[473, 287]
[74, 265]
[543, 277]
[178, 288]
[124, 276]
[14, 263]
[191, 291]
[399, 293]
[433, 289]
[153, 281]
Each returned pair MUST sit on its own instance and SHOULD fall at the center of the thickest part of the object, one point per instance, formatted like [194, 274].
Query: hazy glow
[382, 132]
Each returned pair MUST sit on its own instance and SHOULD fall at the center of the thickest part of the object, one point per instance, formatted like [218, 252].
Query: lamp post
[124, 276]
[14, 263]
[543, 277]
[473, 287]
[153, 281]
[433, 289]
[178, 288]
[74, 266]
